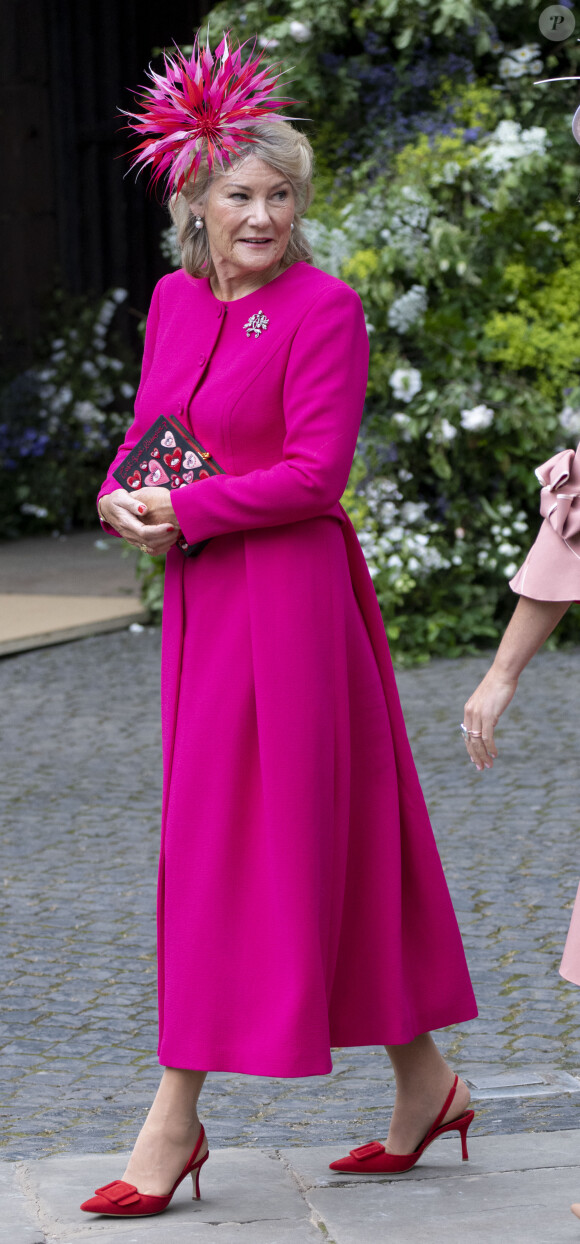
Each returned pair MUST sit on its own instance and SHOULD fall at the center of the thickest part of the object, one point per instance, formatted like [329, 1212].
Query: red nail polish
[171, 528]
[141, 509]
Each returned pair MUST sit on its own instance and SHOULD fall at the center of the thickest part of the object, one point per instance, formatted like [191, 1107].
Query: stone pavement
[518, 1192]
[79, 812]
[62, 587]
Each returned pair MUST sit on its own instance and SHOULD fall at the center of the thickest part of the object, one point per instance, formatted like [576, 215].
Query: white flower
[461, 267]
[508, 550]
[330, 246]
[61, 398]
[508, 68]
[447, 431]
[387, 513]
[413, 512]
[527, 53]
[58, 355]
[546, 226]
[406, 383]
[408, 309]
[477, 419]
[497, 47]
[38, 511]
[89, 369]
[403, 422]
[119, 295]
[300, 31]
[127, 389]
[569, 420]
[509, 142]
[58, 343]
[510, 570]
[265, 42]
[87, 413]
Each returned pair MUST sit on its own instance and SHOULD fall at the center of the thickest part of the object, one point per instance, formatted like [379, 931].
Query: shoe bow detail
[373, 1159]
[371, 1150]
[119, 1193]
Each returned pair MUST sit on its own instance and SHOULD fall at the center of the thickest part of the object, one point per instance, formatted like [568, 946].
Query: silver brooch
[256, 324]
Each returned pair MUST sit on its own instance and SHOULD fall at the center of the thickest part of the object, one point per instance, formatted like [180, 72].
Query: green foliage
[466, 255]
[61, 420]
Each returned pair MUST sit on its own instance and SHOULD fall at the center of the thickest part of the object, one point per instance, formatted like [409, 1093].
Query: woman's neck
[228, 286]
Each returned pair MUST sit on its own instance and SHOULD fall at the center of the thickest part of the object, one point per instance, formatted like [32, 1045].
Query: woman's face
[248, 215]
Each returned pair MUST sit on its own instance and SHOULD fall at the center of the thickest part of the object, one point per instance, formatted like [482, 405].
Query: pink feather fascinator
[205, 105]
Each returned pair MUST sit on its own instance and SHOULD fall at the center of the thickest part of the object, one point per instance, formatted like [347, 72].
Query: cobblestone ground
[79, 820]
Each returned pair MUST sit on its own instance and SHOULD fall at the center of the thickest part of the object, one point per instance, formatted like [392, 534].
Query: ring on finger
[469, 734]
[143, 548]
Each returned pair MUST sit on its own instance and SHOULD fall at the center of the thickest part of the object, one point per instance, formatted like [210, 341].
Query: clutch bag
[167, 456]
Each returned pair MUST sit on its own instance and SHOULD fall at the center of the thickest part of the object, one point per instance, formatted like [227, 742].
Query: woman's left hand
[482, 713]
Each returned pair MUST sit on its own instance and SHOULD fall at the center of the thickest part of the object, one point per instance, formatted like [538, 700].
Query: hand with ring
[481, 715]
[147, 522]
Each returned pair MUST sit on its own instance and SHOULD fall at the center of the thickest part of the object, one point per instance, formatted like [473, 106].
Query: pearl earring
[292, 227]
[199, 222]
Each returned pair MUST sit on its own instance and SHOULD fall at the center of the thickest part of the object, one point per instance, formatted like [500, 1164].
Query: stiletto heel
[195, 1179]
[122, 1200]
[463, 1129]
[373, 1159]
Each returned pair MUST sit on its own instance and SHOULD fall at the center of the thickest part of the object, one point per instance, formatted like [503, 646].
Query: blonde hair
[285, 149]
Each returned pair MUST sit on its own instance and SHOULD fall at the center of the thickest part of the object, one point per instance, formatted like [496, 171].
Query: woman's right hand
[128, 515]
[482, 713]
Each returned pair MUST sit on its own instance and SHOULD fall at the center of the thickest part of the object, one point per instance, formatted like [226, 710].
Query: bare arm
[530, 625]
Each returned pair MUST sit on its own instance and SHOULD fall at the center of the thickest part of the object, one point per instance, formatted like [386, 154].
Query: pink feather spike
[207, 105]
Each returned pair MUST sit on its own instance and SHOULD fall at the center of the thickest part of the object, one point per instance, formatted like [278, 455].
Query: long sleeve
[323, 396]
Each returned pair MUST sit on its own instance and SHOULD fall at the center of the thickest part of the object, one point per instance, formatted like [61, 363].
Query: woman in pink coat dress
[302, 904]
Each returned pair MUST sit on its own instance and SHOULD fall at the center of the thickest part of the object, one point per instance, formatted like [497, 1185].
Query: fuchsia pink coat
[302, 902]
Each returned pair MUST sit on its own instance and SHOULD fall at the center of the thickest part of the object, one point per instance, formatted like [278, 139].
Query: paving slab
[53, 590]
[17, 1219]
[38, 621]
[527, 1207]
[487, 1155]
[238, 1186]
[514, 1188]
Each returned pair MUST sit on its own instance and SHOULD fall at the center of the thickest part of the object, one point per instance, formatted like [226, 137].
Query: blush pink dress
[551, 571]
[302, 903]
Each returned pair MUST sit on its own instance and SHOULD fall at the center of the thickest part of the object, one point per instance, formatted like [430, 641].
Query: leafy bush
[466, 257]
[449, 202]
[61, 420]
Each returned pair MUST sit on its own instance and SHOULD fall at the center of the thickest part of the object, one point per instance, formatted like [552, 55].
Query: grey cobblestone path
[79, 820]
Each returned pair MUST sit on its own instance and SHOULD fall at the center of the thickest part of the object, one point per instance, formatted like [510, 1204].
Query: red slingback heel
[373, 1159]
[121, 1200]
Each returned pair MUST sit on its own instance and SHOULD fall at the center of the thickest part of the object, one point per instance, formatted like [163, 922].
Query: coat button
[201, 360]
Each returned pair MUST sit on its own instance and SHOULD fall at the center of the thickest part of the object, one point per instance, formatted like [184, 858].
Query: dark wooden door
[70, 213]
